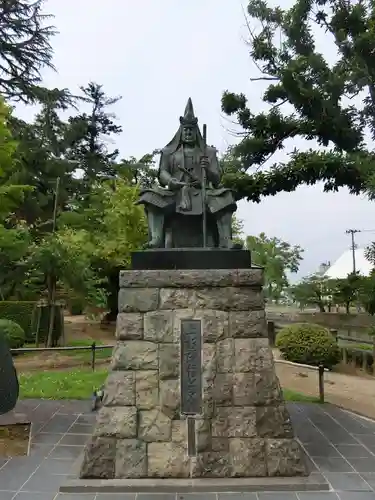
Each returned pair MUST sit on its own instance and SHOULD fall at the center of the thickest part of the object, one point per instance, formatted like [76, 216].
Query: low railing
[93, 348]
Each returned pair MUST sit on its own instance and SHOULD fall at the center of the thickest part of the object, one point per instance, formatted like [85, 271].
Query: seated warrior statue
[175, 208]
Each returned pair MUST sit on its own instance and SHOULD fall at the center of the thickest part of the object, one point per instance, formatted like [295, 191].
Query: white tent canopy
[344, 265]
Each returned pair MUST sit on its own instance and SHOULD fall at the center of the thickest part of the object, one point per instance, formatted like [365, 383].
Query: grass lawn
[80, 384]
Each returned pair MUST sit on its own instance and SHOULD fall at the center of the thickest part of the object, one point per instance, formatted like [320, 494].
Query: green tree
[89, 132]
[331, 104]
[115, 226]
[63, 259]
[313, 290]
[25, 49]
[14, 247]
[278, 257]
[347, 290]
[11, 193]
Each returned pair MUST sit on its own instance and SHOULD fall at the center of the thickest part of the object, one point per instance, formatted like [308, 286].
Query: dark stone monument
[9, 387]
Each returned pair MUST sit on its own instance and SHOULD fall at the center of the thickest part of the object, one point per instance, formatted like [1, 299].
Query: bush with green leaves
[309, 344]
[13, 333]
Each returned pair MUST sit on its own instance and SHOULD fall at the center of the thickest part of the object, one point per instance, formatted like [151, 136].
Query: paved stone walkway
[341, 446]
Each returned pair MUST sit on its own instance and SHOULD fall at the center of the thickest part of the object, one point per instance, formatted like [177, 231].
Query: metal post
[321, 383]
[93, 347]
[271, 333]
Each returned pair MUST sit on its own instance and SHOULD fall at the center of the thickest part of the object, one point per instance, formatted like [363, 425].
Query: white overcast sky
[157, 53]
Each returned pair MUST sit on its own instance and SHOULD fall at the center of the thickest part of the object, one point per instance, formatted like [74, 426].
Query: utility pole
[353, 245]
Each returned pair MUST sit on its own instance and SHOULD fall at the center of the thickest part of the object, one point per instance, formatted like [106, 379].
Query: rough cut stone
[273, 422]
[268, 389]
[252, 353]
[285, 458]
[135, 355]
[228, 299]
[147, 389]
[178, 315]
[119, 389]
[129, 326]
[248, 457]
[138, 299]
[170, 399]
[158, 326]
[154, 426]
[222, 391]
[119, 422]
[215, 324]
[176, 298]
[209, 362]
[247, 324]
[168, 460]
[131, 459]
[169, 361]
[225, 356]
[234, 422]
[191, 278]
[212, 464]
[203, 435]
[99, 458]
[220, 444]
[179, 432]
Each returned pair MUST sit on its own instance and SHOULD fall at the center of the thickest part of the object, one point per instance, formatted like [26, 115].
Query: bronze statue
[189, 208]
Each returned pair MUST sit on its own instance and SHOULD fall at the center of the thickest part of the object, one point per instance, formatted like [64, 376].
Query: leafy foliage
[347, 291]
[25, 48]
[308, 344]
[13, 333]
[87, 132]
[324, 292]
[277, 257]
[320, 95]
[313, 291]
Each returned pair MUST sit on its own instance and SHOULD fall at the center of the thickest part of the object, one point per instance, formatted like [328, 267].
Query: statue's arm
[213, 170]
[164, 172]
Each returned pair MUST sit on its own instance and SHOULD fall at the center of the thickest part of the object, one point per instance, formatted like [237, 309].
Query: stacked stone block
[244, 429]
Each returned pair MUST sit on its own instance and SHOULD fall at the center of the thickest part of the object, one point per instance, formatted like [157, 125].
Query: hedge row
[25, 313]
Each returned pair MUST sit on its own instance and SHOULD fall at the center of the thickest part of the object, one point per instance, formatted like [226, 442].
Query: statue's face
[189, 134]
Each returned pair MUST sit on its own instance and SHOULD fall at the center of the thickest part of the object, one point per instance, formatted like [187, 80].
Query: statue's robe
[175, 163]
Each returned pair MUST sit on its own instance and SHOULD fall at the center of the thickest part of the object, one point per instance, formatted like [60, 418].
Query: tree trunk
[347, 306]
[51, 302]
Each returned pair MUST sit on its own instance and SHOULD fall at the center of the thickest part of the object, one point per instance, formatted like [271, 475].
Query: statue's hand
[175, 185]
[204, 162]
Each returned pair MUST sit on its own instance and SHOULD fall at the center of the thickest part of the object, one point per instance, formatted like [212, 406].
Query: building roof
[344, 265]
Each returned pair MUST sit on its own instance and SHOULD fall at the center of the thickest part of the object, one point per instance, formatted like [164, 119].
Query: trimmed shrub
[13, 333]
[76, 306]
[309, 344]
[21, 312]
[25, 314]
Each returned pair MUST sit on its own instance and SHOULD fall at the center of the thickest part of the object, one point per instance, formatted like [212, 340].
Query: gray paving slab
[342, 447]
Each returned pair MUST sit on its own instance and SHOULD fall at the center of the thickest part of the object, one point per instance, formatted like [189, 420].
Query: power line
[352, 232]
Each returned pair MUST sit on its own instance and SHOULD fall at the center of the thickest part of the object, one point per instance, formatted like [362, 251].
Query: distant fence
[93, 348]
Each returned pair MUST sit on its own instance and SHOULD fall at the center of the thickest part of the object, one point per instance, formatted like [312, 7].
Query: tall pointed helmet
[189, 118]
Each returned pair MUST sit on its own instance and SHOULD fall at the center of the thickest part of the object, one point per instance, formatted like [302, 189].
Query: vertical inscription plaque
[191, 366]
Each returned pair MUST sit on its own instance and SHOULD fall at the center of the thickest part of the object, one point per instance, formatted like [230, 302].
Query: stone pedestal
[243, 430]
